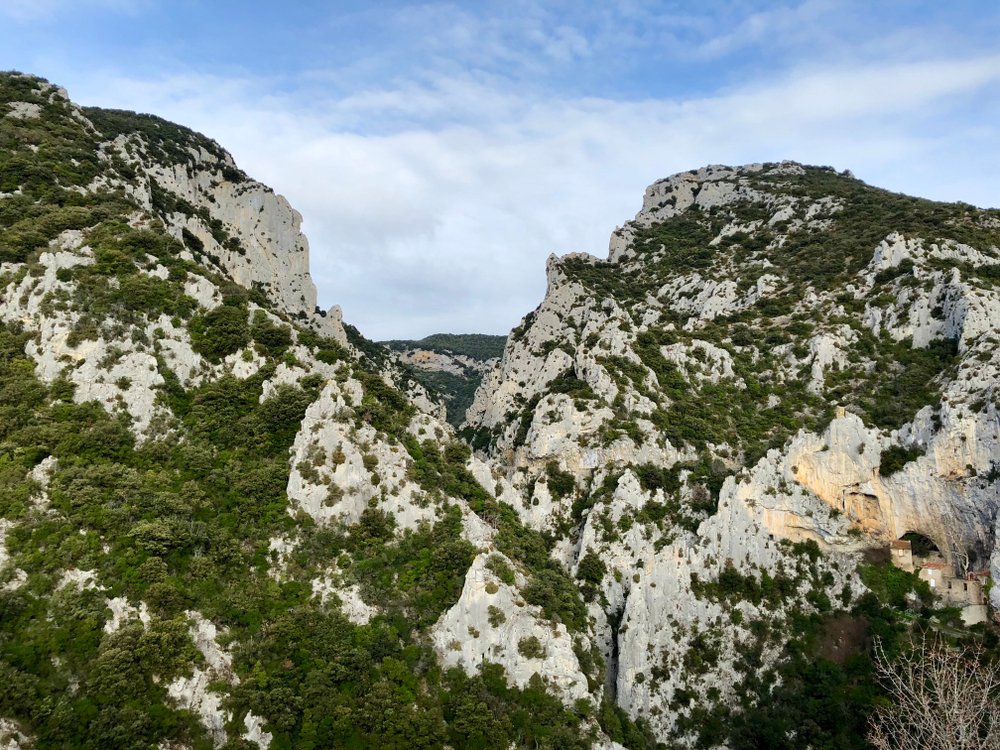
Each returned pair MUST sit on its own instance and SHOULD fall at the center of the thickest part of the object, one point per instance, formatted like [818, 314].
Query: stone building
[902, 554]
[965, 593]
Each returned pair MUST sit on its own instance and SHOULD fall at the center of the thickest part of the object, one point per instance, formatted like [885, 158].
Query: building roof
[900, 544]
[935, 566]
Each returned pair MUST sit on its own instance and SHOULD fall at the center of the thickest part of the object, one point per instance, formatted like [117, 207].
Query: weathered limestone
[272, 254]
[344, 485]
[194, 693]
[491, 621]
[13, 737]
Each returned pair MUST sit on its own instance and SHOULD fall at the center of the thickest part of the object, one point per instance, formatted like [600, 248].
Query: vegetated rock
[261, 245]
[334, 475]
[675, 465]
[457, 364]
[730, 386]
[13, 737]
[491, 622]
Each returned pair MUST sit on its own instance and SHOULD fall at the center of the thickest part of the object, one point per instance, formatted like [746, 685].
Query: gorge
[657, 515]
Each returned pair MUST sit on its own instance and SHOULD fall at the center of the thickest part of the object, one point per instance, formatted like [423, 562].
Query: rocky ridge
[773, 361]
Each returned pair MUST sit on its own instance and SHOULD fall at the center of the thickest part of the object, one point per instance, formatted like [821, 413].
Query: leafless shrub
[941, 699]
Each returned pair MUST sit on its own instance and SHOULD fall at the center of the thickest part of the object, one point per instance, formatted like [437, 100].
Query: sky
[440, 152]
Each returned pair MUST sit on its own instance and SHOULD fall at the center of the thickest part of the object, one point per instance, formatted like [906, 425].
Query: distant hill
[478, 346]
[451, 364]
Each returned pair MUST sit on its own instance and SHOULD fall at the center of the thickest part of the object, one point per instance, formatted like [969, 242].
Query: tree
[941, 698]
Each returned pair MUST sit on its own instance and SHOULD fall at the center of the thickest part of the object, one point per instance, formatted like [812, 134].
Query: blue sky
[440, 151]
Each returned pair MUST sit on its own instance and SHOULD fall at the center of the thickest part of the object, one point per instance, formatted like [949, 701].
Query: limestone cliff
[235, 222]
[771, 357]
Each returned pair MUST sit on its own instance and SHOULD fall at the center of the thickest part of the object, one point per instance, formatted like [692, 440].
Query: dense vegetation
[201, 506]
[167, 141]
[44, 162]
[458, 391]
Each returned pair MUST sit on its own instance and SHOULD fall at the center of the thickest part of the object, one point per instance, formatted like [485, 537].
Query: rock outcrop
[491, 622]
[261, 246]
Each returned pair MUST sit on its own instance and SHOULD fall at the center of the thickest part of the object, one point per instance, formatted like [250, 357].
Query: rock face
[491, 622]
[762, 363]
[232, 221]
[261, 245]
[452, 365]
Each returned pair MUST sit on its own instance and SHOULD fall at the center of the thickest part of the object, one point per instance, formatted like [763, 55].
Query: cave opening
[921, 545]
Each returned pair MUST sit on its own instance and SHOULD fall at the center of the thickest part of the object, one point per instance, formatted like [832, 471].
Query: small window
[949, 584]
[771, 537]
[966, 586]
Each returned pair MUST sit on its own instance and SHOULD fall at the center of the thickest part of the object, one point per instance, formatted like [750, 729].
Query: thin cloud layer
[21, 11]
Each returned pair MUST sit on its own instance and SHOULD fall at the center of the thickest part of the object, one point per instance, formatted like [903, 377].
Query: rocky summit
[688, 494]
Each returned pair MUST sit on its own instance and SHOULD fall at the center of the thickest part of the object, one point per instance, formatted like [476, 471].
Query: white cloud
[445, 227]
[782, 24]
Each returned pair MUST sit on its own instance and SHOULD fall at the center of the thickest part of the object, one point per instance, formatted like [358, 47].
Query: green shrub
[894, 458]
[496, 616]
[560, 483]
[892, 585]
[220, 332]
[272, 338]
[591, 569]
[500, 567]
[569, 384]
[558, 596]
[531, 648]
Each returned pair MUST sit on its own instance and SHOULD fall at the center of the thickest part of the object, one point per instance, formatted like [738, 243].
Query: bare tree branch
[941, 699]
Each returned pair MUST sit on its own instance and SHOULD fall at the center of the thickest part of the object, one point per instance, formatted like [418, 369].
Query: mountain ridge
[764, 356]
